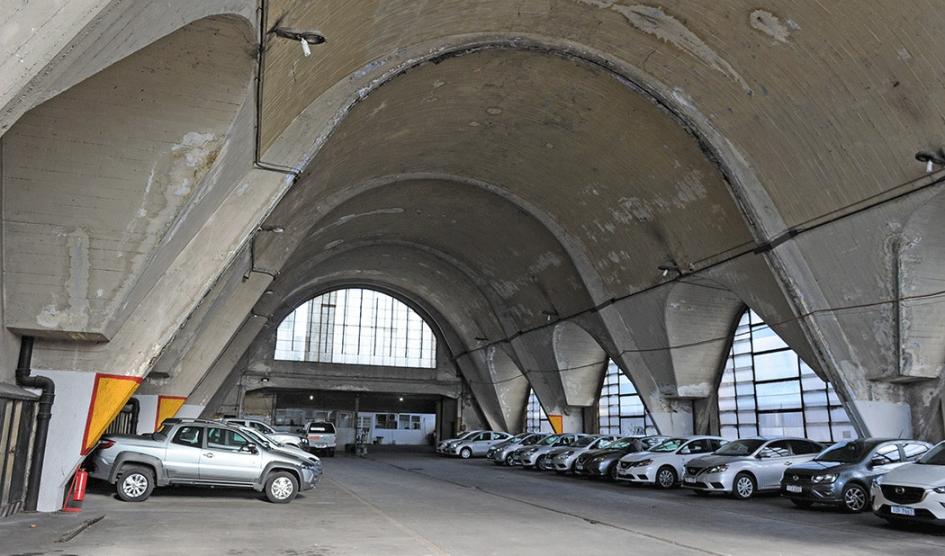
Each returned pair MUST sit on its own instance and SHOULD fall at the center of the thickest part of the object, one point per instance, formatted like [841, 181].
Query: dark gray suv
[842, 474]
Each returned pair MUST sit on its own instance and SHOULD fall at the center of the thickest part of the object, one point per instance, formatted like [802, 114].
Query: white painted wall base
[886, 419]
[70, 412]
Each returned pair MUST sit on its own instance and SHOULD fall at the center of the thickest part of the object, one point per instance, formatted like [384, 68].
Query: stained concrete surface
[417, 503]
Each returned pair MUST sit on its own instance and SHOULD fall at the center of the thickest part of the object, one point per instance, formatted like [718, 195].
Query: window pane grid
[767, 390]
[356, 326]
[536, 420]
[621, 410]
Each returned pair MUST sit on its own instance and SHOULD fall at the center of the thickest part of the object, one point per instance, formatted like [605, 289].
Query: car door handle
[208, 454]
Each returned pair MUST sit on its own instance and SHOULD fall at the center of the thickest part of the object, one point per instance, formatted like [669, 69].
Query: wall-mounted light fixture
[671, 266]
[931, 159]
[305, 38]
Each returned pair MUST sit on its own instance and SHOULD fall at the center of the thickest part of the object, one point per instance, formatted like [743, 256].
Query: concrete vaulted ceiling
[557, 183]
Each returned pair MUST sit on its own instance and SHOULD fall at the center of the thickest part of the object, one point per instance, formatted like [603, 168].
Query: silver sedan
[562, 459]
[745, 467]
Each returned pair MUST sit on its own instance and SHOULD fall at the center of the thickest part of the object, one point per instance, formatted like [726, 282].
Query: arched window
[357, 326]
[767, 390]
[620, 409]
[536, 420]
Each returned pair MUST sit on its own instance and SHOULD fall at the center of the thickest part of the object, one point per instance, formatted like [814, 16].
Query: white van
[321, 436]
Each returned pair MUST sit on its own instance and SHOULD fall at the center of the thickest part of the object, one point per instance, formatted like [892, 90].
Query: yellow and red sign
[557, 423]
[167, 407]
[110, 393]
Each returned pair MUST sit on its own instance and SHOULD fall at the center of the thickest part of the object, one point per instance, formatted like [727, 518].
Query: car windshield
[549, 440]
[846, 452]
[935, 456]
[532, 439]
[256, 437]
[670, 445]
[740, 448]
[583, 441]
[620, 443]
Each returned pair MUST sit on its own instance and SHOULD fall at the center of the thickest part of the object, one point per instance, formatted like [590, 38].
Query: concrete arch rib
[582, 363]
[323, 116]
[575, 249]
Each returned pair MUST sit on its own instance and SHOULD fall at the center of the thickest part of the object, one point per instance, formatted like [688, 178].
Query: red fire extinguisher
[76, 492]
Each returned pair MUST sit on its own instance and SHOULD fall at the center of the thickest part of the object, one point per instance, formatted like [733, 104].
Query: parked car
[531, 456]
[603, 462]
[281, 437]
[664, 464]
[444, 447]
[261, 440]
[197, 452]
[501, 453]
[744, 467]
[477, 444]
[562, 459]
[914, 492]
[843, 474]
[321, 437]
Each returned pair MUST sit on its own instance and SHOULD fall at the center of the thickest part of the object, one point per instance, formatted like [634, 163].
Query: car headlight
[717, 469]
[825, 478]
[940, 490]
[641, 463]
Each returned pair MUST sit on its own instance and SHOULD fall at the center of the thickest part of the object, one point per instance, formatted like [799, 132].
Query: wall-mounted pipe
[48, 388]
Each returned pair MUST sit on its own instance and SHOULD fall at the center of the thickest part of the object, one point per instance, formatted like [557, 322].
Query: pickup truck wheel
[135, 483]
[281, 487]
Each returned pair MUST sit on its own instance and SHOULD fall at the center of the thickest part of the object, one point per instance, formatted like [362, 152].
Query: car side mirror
[874, 462]
[251, 448]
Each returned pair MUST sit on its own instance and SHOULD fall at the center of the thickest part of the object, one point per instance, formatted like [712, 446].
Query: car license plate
[690, 480]
[794, 488]
[901, 510]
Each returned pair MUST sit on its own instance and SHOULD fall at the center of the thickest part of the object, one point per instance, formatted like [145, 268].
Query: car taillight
[106, 444]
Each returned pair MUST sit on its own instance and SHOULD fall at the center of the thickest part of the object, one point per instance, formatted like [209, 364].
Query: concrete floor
[417, 503]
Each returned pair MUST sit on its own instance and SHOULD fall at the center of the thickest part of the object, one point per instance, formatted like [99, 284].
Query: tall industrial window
[536, 420]
[356, 326]
[621, 410]
[767, 390]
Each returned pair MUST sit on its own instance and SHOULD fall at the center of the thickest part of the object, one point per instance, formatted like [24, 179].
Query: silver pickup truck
[203, 453]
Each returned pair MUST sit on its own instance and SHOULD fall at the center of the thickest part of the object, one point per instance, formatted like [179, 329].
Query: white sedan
[664, 465]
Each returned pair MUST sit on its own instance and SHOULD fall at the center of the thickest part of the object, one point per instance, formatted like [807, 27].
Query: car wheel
[855, 498]
[281, 487]
[538, 463]
[612, 472]
[744, 486]
[508, 460]
[465, 453]
[135, 483]
[802, 503]
[666, 477]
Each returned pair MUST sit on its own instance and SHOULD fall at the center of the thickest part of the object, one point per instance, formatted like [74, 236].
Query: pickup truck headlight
[826, 478]
[717, 469]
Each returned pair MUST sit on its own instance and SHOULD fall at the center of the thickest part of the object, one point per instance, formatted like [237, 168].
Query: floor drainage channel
[82, 527]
